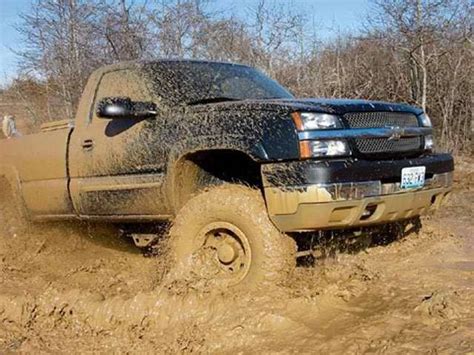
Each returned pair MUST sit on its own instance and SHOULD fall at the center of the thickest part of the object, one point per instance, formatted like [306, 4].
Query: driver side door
[117, 169]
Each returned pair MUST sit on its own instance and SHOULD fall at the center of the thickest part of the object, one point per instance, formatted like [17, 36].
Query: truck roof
[137, 63]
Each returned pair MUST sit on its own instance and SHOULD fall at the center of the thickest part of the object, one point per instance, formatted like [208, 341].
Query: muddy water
[78, 288]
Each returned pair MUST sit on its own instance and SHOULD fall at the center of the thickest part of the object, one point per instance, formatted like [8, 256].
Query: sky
[330, 15]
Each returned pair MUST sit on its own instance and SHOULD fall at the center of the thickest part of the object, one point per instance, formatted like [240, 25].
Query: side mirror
[124, 107]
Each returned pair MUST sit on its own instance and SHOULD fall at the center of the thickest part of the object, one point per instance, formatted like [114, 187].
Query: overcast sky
[344, 15]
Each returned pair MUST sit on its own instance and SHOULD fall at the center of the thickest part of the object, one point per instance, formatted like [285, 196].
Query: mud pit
[74, 288]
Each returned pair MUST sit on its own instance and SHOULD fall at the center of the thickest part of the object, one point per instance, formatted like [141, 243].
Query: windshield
[192, 82]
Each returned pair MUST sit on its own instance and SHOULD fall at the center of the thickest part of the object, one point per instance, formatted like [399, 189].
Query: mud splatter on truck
[241, 167]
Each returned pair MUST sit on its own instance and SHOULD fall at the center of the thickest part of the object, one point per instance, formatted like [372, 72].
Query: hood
[334, 106]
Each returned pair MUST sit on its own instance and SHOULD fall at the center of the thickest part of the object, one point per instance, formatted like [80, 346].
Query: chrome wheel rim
[225, 250]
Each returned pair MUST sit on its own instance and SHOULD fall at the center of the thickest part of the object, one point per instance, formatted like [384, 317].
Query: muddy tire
[225, 238]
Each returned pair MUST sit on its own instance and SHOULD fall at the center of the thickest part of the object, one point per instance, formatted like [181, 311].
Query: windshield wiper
[210, 100]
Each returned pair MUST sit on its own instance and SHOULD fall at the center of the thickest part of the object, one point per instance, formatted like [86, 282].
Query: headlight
[326, 148]
[425, 120]
[311, 120]
[429, 142]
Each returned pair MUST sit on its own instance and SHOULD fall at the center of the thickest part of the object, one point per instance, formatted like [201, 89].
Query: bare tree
[125, 27]
[60, 46]
[415, 27]
[414, 51]
[177, 24]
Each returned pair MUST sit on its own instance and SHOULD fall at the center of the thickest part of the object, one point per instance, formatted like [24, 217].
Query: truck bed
[38, 163]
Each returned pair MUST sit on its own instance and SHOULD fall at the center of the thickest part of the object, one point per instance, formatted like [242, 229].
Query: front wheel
[225, 238]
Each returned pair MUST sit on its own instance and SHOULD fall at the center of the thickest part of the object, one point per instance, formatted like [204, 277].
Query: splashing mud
[75, 287]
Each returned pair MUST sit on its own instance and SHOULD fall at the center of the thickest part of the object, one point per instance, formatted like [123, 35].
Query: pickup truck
[230, 157]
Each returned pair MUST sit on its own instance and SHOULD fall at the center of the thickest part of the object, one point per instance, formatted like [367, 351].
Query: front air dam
[308, 209]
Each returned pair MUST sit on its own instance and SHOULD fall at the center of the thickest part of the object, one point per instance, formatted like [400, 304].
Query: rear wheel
[224, 237]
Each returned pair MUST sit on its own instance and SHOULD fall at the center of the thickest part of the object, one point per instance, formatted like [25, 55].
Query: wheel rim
[225, 251]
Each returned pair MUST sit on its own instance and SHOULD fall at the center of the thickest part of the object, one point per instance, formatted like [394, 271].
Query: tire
[225, 238]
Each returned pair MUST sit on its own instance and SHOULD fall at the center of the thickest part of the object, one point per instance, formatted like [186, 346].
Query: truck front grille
[367, 146]
[384, 145]
[380, 119]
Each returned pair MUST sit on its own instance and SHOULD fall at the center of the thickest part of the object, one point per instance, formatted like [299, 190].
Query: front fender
[252, 148]
[180, 150]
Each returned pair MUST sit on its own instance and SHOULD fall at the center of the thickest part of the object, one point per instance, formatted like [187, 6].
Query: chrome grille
[380, 119]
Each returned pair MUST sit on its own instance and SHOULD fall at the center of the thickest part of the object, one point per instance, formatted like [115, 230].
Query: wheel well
[198, 170]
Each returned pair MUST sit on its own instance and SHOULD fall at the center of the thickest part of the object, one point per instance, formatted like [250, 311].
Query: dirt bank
[74, 288]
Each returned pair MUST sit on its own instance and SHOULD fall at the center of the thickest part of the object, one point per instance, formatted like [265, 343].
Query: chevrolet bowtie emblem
[396, 133]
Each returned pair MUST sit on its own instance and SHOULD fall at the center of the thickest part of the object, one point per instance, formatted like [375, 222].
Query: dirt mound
[78, 287]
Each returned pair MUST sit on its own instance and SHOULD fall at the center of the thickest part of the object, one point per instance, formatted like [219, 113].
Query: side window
[121, 83]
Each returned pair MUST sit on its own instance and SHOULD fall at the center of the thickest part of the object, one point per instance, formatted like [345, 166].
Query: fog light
[429, 142]
[368, 212]
[324, 148]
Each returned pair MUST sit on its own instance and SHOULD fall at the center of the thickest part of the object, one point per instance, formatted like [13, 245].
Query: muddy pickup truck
[231, 158]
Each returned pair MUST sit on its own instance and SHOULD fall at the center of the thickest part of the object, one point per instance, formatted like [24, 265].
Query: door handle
[87, 144]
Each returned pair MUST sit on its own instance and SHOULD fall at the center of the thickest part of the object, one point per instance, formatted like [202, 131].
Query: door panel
[114, 165]
[120, 195]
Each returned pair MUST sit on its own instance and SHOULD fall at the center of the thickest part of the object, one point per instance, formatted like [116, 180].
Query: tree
[60, 45]
[414, 51]
[125, 28]
[432, 37]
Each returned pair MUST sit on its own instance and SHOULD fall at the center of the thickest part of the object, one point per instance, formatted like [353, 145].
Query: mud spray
[77, 288]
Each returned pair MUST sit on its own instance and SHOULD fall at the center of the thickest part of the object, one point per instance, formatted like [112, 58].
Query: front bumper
[315, 195]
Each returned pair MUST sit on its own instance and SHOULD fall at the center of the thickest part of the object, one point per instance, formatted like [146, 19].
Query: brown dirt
[76, 288]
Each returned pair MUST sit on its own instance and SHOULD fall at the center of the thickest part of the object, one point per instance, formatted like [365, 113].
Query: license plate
[413, 177]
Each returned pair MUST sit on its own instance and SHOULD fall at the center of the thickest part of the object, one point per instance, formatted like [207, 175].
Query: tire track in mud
[178, 314]
[63, 289]
[317, 305]
[166, 313]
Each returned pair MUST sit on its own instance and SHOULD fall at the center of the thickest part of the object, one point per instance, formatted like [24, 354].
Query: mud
[79, 288]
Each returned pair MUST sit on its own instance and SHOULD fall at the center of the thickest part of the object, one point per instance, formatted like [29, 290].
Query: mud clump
[441, 305]
[66, 287]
